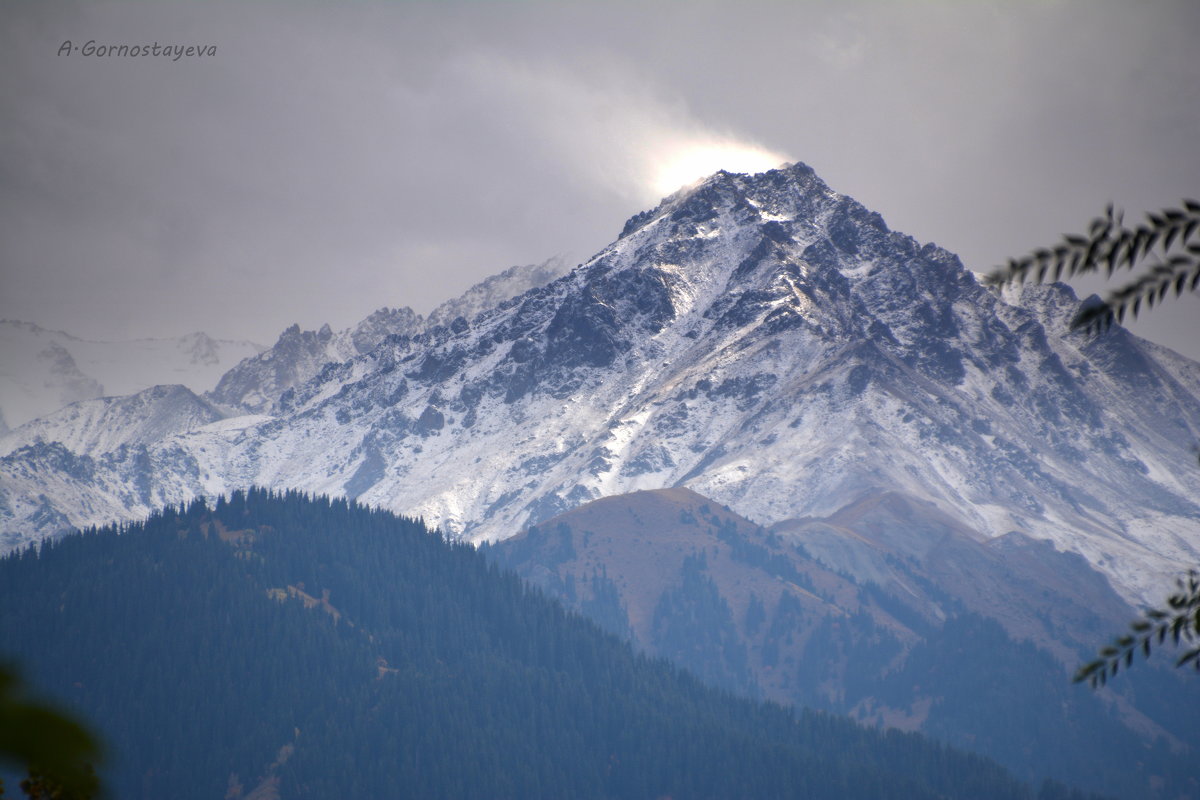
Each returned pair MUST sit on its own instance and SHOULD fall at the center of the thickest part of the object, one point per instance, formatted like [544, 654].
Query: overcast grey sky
[333, 158]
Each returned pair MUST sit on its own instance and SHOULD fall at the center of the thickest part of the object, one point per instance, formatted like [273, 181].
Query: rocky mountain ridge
[256, 384]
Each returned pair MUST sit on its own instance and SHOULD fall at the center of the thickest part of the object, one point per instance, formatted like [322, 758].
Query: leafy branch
[1180, 622]
[1165, 237]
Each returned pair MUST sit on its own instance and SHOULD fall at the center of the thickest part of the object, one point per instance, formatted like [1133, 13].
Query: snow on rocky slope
[760, 339]
[109, 423]
[256, 383]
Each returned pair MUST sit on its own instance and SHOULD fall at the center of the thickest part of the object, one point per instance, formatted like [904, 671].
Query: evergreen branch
[1152, 287]
[1168, 236]
[1179, 622]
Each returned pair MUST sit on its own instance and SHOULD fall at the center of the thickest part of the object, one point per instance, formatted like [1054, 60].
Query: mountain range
[761, 340]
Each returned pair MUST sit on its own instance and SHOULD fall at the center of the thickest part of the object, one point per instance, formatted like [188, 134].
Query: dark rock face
[430, 421]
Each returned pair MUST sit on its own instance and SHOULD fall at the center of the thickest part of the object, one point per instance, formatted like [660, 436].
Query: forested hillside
[321, 650]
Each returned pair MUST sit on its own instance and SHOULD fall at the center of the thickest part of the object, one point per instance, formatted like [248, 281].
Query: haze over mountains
[761, 340]
[42, 370]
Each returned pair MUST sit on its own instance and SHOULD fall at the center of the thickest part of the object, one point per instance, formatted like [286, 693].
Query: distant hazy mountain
[42, 370]
[761, 340]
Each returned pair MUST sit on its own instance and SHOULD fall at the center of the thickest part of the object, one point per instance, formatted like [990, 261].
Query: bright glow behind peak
[686, 165]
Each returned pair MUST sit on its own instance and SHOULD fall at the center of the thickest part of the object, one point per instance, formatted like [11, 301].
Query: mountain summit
[762, 340]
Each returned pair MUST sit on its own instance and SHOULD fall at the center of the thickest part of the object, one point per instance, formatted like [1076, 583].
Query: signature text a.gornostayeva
[172, 52]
